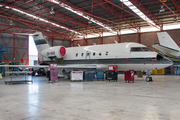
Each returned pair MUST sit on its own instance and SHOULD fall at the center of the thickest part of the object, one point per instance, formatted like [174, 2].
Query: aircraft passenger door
[88, 53]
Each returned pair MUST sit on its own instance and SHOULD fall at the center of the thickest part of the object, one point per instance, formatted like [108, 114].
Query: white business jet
[168, 47]
[127, 56]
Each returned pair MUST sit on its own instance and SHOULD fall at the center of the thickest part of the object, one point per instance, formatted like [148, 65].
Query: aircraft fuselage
[126, 55]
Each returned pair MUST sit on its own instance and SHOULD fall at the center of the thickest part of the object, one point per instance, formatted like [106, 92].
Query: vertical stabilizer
[41, 44]
[167, 41]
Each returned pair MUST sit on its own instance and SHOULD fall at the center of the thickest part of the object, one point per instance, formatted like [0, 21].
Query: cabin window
[82, 54]
[76, 54]
[94, 53]
[99, 54]
[106, 53]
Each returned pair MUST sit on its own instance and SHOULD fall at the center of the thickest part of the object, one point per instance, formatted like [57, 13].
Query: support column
[72, 42]
[161, 29]
[49, 40]
[101, 37]
[85, 40]
[119, 36]
[139, 35]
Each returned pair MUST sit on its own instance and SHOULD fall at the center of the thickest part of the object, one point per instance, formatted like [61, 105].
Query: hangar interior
[78, 23]
[85, 22]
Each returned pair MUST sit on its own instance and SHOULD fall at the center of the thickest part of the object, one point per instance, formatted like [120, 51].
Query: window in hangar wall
[33, 53]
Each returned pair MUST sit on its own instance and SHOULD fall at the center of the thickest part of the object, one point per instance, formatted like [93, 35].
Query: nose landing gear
[149, 78]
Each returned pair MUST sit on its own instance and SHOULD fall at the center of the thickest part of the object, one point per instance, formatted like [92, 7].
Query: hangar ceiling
[69, 19]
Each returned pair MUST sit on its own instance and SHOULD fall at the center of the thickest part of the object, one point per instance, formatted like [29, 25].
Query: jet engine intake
[54, 52]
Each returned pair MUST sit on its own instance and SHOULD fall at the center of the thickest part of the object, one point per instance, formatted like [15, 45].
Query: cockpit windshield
[142, 49]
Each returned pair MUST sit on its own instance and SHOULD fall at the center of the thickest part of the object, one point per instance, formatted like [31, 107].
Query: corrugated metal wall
[17, 48]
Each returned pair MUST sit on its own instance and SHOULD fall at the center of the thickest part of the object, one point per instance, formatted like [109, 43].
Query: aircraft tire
[149, 79]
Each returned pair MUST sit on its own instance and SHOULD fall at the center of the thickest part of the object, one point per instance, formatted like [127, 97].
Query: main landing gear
[149, 78]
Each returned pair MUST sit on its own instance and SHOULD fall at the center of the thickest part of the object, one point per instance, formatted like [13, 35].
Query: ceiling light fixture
[175, 19]
[48, 29]
[164, 0]
[52, 10]
[162, 9]
[11, 22]
[89, 22]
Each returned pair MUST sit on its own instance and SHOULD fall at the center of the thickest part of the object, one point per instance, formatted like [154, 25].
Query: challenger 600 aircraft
[168, 47]
[127, 56]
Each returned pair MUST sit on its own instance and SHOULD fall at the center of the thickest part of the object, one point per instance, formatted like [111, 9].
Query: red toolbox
[129, 76]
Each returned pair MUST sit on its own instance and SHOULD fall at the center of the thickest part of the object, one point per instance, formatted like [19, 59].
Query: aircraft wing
[77, 66]
[59, 66]
[23, 66]
[164, 49]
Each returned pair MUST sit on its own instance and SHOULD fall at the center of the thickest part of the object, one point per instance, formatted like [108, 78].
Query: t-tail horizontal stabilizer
[164, 49]
[166, 44]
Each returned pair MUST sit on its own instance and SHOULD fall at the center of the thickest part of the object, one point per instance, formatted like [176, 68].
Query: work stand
[17, 81]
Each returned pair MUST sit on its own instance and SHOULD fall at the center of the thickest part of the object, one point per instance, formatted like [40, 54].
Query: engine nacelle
[52, 52]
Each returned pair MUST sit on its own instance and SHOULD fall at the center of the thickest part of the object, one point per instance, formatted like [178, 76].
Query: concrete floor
[92, 100]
